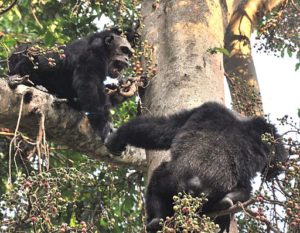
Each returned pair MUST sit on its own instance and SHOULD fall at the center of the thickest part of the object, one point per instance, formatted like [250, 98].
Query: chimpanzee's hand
[114, 144]
[106, 131]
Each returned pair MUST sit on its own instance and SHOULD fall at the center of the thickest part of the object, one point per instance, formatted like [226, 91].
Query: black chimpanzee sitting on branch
[213, 151]
[77, 71]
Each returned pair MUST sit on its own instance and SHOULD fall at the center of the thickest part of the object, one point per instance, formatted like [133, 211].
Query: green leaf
[103, 223]
[49, 38]
[282, 52]
[289, 52]
[17, 12]
[73, 220]
[219, 50]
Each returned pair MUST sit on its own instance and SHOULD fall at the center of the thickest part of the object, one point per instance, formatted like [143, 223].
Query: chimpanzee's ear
[260, 125]
[108, 40]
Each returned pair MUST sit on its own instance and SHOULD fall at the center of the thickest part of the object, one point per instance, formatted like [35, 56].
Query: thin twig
[9, 7]
[13, 140]
[45, 144]
[17, 150]
[233, 209]
[265, 221]
[39, 140]
[12, 134]
[281, 188]
[294, 5]
[36, 18]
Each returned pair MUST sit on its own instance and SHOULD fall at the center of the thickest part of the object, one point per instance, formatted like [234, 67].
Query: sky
[279, 84]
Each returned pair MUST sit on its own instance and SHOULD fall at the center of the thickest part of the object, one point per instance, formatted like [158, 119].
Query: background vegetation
[76, 194]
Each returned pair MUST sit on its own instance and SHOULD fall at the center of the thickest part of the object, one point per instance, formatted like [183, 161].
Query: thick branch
[239, 64]
[64, 125]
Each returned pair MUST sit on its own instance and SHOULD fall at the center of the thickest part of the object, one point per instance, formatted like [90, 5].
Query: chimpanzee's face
[121, 52]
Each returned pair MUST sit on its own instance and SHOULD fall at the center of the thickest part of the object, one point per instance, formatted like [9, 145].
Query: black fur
[213, 152]
[78, 75]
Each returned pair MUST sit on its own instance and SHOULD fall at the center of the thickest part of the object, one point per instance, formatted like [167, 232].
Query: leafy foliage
[124, 112]
[276, 205]
[86, 197]
[81, 195]
[76, 194]
[187, 217]
[280, 31]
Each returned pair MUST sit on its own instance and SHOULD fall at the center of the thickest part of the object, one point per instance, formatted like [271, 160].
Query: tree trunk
[182, 32]
[188, 75]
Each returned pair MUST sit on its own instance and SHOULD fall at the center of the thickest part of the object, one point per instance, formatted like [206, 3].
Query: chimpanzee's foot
[15, 80]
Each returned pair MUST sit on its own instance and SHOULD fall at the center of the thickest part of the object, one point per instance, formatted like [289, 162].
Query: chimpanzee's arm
[92, 99]
[148, 132]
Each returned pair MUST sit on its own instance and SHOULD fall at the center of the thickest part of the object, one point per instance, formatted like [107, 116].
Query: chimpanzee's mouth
[116, 68]
[120, 65]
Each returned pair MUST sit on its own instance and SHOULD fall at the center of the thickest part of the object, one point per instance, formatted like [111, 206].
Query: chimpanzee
[77, 73]
[213, 151]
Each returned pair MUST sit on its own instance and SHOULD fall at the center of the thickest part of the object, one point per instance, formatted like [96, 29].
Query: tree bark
[181, 33]
[64, 125]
